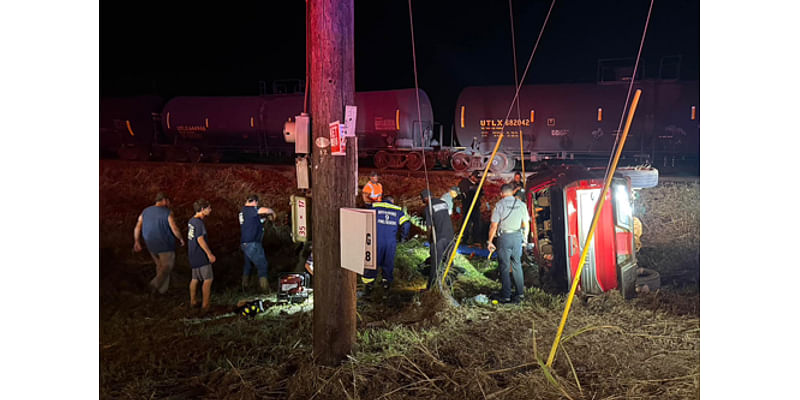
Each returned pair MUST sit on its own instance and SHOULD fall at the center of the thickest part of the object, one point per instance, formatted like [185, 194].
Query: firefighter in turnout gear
[389, 218]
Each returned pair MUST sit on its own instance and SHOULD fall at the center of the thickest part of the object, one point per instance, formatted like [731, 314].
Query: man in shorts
[157, 225]
[200, 256]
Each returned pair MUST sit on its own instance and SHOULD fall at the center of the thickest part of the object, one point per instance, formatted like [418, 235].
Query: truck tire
[641, 178]
[648, 280]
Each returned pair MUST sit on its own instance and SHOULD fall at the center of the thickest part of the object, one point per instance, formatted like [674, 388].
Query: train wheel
[430, 160]
[142, 154]
[381, 160]
[194, 155]
[397, 160]
[175, 154]
[512, 164]
[127, 153]
[414, 161]
[460, 161]
[499, 164]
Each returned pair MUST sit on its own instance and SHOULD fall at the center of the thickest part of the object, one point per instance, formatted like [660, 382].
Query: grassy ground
[408, 345]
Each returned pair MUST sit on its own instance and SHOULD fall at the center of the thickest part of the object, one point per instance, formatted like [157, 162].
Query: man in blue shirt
[157, 225]
[388, 218]
[200, 256]
[251, 220]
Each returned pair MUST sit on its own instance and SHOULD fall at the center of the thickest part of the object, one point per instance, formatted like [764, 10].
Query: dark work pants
[472, 234]
[386, 251]
[437, 256]
[509, 256]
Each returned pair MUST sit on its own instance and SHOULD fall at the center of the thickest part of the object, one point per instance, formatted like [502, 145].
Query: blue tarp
[471, 252]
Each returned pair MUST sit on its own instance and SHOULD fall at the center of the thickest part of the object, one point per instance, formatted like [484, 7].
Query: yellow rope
[516, 83]
[590, 236]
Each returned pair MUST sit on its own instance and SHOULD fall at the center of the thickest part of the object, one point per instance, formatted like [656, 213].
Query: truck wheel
[648, 280]
[641, 178]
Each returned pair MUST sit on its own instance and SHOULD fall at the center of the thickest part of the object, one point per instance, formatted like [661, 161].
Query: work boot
[245, 282]
[263, 284]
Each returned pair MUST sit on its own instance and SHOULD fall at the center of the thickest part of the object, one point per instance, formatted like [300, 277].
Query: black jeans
[437, 256]
[472, 234]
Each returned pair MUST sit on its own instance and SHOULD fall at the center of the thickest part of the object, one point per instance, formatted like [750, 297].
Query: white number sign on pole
[357, 239]
[350, 114]
[301, 165]
[299, 219]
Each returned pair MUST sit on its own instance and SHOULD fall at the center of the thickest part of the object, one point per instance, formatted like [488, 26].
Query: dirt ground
[408, 345]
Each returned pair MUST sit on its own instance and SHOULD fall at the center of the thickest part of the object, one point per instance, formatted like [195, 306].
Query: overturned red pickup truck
[562, 201]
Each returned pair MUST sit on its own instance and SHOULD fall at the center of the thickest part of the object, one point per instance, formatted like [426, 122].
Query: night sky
[222, 50]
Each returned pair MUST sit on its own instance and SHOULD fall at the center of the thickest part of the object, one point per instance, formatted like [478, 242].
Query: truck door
[626, 253]
[600, 270]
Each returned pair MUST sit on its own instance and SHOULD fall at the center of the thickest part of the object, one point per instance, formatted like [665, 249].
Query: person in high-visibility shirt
[373, 191]
[388, 218]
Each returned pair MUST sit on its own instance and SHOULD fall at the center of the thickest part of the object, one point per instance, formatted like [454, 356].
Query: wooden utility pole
[330, 57]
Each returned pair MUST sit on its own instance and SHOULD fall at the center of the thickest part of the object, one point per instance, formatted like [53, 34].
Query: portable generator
[294, 287]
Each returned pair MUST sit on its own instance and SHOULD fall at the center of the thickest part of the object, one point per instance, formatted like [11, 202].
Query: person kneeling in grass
[200, 256]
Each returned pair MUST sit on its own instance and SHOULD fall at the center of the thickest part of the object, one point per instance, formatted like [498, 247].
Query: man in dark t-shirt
[443, 227]
[200, 256]
[519, 186]
[469, 190]
[157, 225]
[251, 220]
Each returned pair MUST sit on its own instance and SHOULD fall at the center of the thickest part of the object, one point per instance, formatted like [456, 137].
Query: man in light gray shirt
[510, 223]
[449, 197]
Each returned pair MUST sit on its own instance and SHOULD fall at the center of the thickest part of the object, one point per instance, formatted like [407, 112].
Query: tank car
[387, 125]
[129, 126]
[576, 122]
